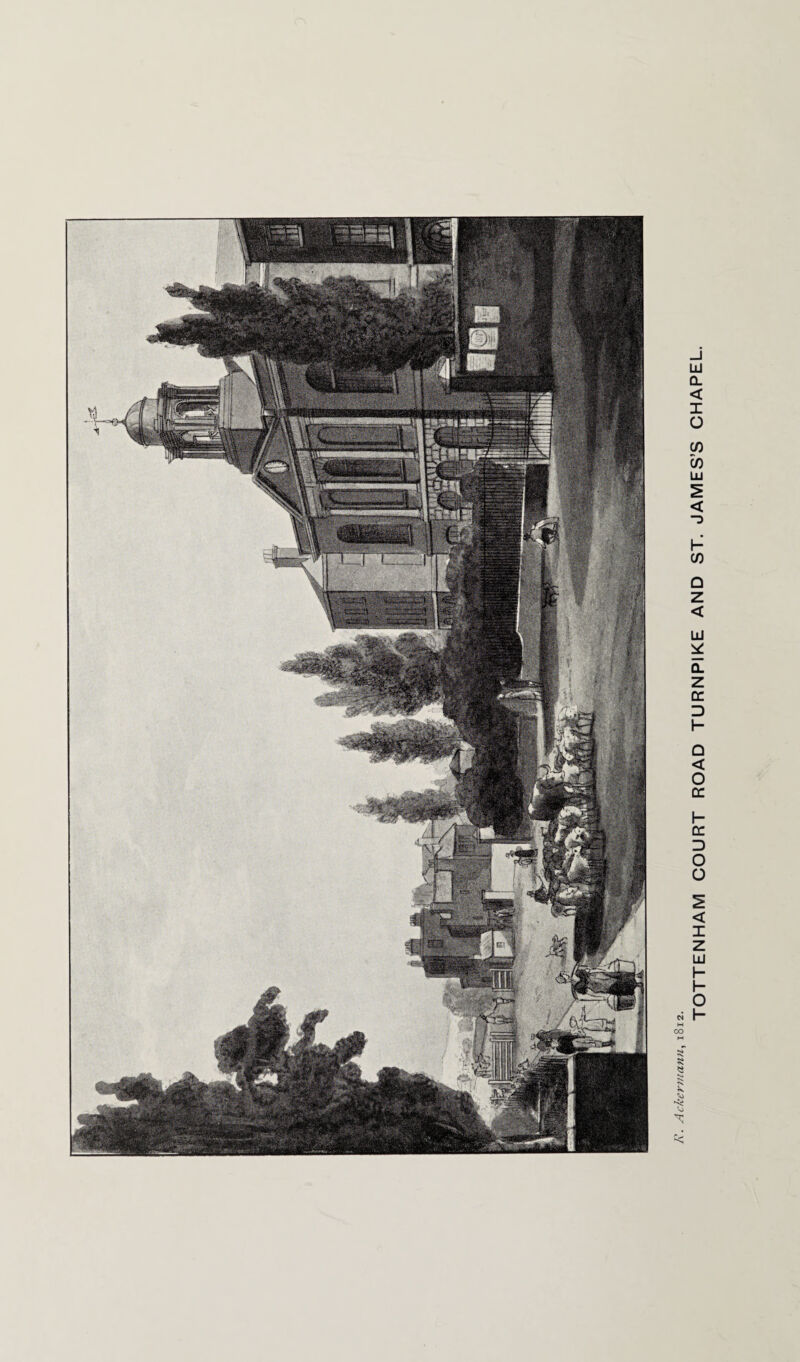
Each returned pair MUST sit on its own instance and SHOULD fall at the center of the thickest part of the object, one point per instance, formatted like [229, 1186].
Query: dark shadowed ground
[593, 639]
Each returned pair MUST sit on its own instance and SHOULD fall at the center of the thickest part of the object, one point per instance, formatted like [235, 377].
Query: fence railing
[521, 426]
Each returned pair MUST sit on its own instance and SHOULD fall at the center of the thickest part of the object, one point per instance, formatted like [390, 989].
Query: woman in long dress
[605, 982]
[569, 1042]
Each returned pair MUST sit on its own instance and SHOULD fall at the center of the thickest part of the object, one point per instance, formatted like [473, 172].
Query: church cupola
[184, 420]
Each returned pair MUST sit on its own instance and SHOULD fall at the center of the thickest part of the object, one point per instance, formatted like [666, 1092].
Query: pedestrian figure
[522, 855]
[590, 1023]
[568, 1042]
[605, 982]
[543, 532]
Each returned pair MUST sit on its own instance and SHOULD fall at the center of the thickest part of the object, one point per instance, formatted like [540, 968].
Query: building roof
[240, 418]
[275, 470]
[141, 422]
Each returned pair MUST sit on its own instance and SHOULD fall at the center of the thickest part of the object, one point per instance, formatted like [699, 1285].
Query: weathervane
[103, 421]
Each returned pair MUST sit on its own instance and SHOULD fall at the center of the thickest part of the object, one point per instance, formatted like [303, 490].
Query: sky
[214, 849]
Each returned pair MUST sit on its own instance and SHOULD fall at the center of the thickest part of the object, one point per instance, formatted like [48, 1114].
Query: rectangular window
[353, 559]
[362, 233]
[353, 610]
[405, 608]
[366, 533]
[284, 233]
[436, 943]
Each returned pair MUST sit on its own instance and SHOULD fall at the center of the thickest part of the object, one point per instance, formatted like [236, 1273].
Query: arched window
[364, 470]
[357, 436]
[463, 437]
[450, 501]
[366, 533]
[195, 411]
[458, 534]
[320, 377]
[438, 236]
[325, 379]
[350, 436]
[367, 496]
[454, 468]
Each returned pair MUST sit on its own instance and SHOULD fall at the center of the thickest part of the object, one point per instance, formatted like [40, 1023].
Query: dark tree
[412, 806]
[466, 1002]
[257, 1048]
[304, 1098]
[424, 740]
[343, 322]
[482, 649]
[374, 674]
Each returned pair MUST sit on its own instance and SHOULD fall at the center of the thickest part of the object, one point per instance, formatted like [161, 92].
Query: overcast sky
[214, 849]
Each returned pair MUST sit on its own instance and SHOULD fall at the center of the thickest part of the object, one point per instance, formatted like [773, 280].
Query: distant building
[465, 927]
[366, 465]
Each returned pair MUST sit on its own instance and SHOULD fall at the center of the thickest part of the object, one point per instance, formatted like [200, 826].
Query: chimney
[284, 557]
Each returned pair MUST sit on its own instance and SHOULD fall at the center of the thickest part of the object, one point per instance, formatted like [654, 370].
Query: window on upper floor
[351, 436]
[323, 378]
[363, 470]
[367, 496]
[361, 232]
[438, 235]
[365, 532]
[450, 501]
[280, 233]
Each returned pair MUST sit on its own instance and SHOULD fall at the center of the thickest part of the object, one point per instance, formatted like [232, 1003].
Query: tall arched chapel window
[352, 436]
[364, 470]
[325, 379]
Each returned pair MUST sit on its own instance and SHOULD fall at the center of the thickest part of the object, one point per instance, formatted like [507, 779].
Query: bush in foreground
[304, 1098]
